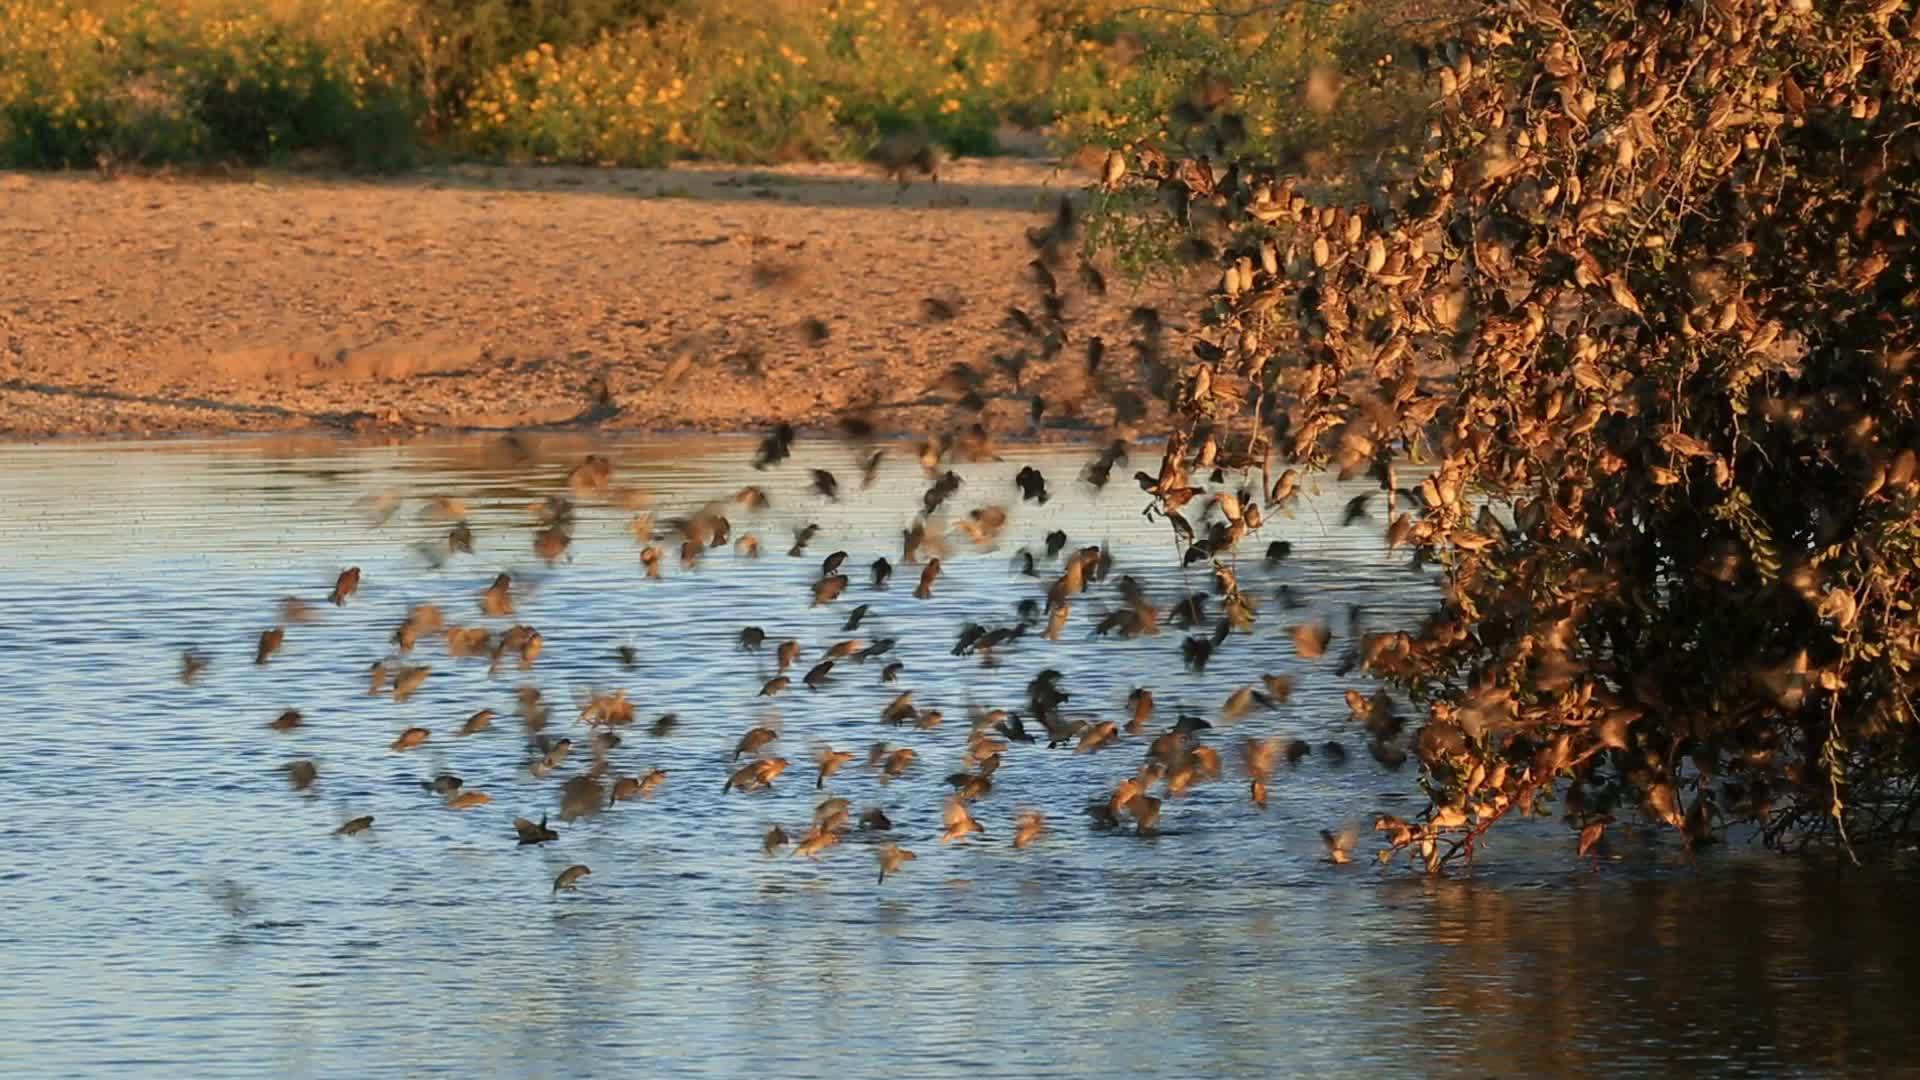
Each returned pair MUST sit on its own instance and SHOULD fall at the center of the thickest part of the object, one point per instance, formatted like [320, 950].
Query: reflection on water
[177, 909]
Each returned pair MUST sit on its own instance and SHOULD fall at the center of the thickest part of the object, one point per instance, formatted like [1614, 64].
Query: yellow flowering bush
[87, 81]
[381, 82]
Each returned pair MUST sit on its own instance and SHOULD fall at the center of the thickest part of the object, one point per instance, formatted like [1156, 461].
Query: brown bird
[570, 877]
[892, 857]
[1339, 845]
[467, 800]
[529, 833]
[555, 754]
[774, 839]
[828, 589]
[627, 787]
[896, 763]
[959, 822]
[1146, 813]
[830, 761]
[552, 543]
[356, 826]
[1258, 757]
[816, 676]
[479, 721]
[1028, 827]
[286, 721]
[755, 775]
[1141, 701]
[407, 681]
[192, 663]
[270, 641]
[497, 601]
[344, 586]
[1310, 640]
[816, 841]
[754, 739]
[651, 780]
[774, 685]
[410, 738]
[1095, 736]
[786, 654]
[301, 774]
[927, 576]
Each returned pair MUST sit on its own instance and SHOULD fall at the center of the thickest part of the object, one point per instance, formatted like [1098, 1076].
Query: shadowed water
[175, 908]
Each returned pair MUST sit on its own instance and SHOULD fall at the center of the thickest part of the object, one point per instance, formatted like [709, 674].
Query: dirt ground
[496, 298]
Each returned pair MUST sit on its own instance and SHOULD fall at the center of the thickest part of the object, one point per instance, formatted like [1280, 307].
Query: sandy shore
[492, 298]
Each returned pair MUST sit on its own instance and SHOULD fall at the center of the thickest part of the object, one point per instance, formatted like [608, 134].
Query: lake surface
[175, 908]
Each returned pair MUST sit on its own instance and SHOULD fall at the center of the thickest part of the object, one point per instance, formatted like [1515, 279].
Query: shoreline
[479, 299]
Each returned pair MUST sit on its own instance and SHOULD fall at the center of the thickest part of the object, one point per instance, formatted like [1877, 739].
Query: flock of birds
[1207, 516]
[1176, 757]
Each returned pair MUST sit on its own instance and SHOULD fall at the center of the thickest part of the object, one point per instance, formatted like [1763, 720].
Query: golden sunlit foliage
[376, 83]
[1643, 312]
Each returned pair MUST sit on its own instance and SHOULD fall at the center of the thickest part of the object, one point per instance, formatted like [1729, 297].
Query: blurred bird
[892, 857]
[344, 586]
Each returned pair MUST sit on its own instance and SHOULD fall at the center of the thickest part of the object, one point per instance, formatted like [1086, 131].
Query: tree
[1648, 309]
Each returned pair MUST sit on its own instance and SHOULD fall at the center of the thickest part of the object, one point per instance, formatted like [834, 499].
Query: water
[176, 909]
